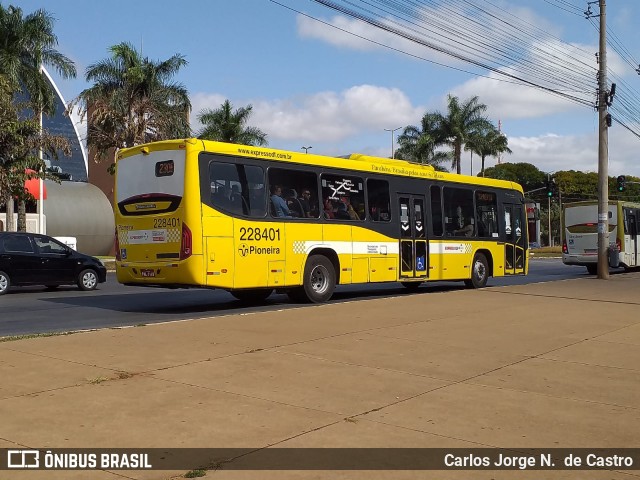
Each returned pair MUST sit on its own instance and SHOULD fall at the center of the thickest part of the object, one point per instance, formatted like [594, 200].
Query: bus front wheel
[252, 295]
[479, 272]
[319, 281]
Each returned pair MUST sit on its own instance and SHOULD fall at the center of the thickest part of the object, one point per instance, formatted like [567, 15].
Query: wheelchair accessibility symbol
[420, 264]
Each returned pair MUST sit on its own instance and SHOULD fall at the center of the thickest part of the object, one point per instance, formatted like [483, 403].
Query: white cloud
[202, 101]
[512, 101]
[325, 116]
[353, 120]
[551, 152]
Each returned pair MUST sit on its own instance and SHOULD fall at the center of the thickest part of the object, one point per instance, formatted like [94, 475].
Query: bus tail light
[117, 244]
[564, 246]
[618, 244]
[185, 245]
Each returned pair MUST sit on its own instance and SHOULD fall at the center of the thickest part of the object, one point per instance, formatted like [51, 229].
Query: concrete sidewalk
[546, 365]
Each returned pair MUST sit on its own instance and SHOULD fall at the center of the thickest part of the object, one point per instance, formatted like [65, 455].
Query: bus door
[631, 234]
[514, 223]
[413, 236]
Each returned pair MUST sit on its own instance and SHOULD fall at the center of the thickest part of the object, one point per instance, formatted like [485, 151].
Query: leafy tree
[487, 143]
[525, 174]
[133, 100]
[19, 141]
[26, 44]
[418, 144]
[458, 125]
[225, 125]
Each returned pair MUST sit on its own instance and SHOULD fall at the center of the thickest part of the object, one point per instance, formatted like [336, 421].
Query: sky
[312, 85]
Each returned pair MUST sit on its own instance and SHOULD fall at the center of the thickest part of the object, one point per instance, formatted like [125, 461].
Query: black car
[32, 259]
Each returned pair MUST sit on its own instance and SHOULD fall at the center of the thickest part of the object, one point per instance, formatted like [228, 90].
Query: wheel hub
[89, 280]
[319, 279]
[479, 270]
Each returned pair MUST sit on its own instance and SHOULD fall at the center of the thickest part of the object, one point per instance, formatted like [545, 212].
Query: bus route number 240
[257, 234]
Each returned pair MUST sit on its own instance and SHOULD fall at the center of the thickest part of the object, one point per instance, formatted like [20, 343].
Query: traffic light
[551, 186]
[621, 183]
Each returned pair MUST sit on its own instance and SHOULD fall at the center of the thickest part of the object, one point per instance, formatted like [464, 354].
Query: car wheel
[479, 272]
[592, 269]
[319, 280]
[5, 283]
[87, 279]
[252, 295]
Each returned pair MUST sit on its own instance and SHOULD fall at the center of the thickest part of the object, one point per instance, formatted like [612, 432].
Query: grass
[547, 252]
[98, 380]
[34, 335]
[195, 473]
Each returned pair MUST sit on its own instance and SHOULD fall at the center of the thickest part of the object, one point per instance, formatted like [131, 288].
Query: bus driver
[463, 225]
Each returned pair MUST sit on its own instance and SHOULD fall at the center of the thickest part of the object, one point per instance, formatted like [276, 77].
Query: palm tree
[226, 125]
[459, 124]
[488, 143]
[26, 44]
[418, 144]
[133, 100]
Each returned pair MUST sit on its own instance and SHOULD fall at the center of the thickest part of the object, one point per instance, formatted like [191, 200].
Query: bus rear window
[157, 174]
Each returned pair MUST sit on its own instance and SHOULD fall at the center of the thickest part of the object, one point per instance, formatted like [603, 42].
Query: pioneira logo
[243, 250]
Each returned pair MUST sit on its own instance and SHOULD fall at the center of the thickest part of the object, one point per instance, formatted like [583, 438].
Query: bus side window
[460, 220]
[379, 200]
[436, 211]
[294, 183]
[342, 194]
[233, 188]
[487, 213]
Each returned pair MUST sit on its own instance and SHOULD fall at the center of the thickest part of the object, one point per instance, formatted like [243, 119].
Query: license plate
[148, 273]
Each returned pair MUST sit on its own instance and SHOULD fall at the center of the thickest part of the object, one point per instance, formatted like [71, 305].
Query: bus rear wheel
[252, 295]
[479, 272]
[318, 283]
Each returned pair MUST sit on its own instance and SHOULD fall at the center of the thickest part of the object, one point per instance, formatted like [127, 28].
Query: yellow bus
[194, 213]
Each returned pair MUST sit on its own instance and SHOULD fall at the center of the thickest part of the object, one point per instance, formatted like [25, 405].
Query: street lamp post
[306, 149]
[392, 130]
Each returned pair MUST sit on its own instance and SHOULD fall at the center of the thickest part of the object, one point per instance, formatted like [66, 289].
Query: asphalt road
[31, 310]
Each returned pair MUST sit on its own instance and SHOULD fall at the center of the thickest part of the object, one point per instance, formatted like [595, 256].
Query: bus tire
[479, 272]
[252, 295]
[411, 286]
[592, 269]
[319, 280]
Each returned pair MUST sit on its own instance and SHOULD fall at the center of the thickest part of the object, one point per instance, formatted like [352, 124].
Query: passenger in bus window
[328, 208]
[305, 202]
[352, 213]
[279, 204]
[462, 224]
[342, 212]
[358, 208]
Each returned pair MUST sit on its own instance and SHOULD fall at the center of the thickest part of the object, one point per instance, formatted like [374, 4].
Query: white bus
[580, 224]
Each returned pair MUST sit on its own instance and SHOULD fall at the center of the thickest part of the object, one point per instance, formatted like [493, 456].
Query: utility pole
[603, 156]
